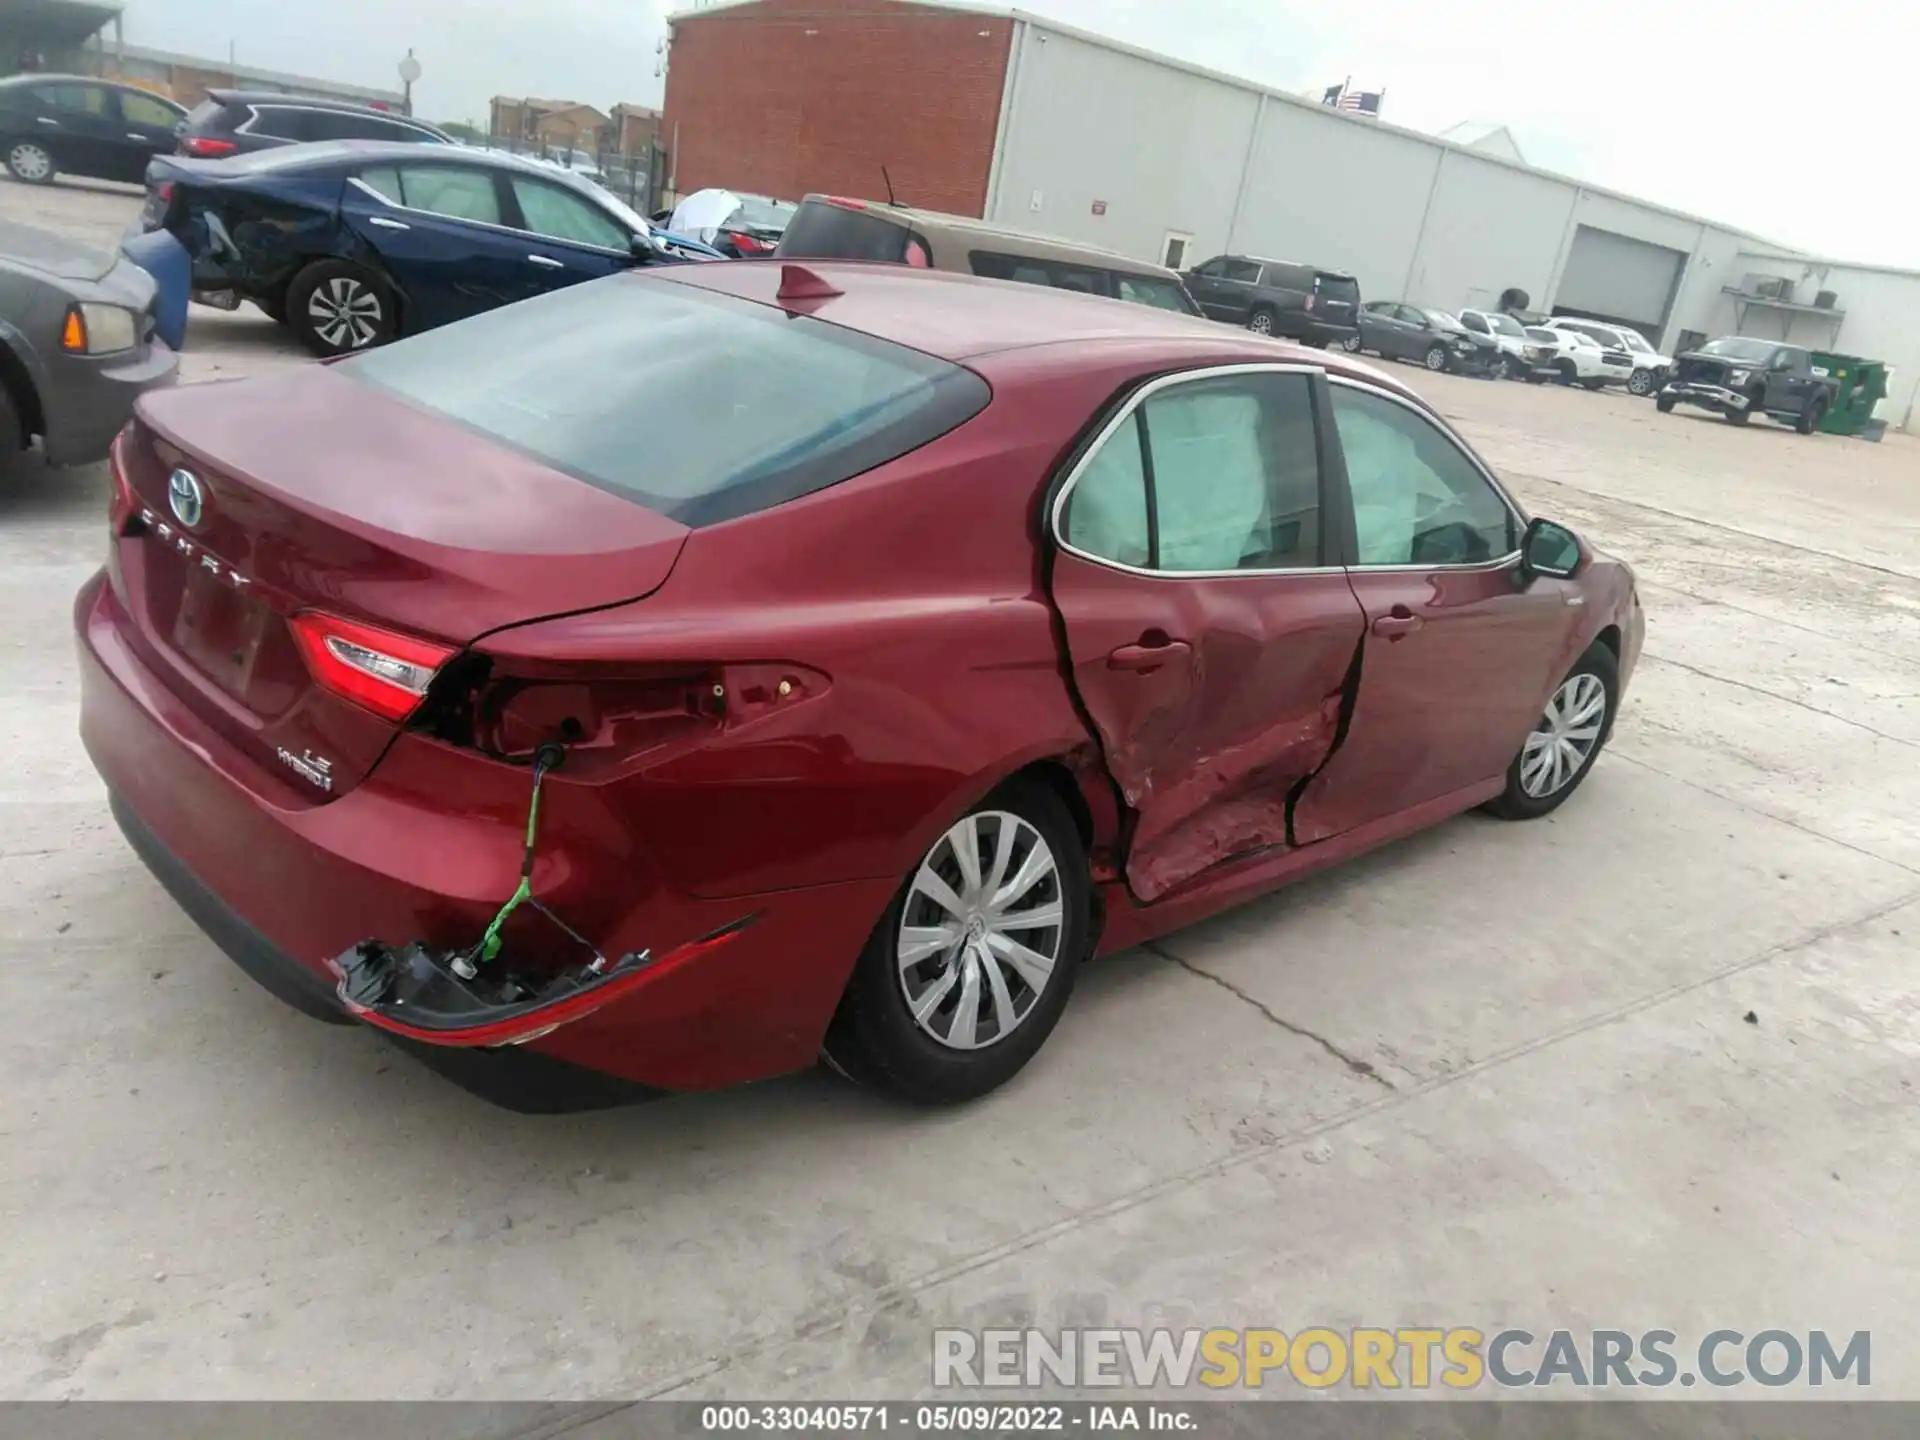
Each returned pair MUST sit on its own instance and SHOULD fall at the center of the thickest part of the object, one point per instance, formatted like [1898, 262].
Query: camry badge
[185, 498]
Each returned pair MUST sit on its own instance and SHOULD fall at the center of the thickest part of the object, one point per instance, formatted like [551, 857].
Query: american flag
[1362, 102]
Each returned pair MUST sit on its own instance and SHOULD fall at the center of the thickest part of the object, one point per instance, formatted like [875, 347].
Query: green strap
[489, 945]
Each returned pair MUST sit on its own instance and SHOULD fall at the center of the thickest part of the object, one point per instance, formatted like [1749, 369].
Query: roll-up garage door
[1615, 277]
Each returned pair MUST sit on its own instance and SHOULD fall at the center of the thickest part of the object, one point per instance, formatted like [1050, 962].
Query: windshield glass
[1735, 347]
[702, 407]
[1506, 325]
[1636, 342]
[1443, 321]
[1149, 290]
[1545, 337]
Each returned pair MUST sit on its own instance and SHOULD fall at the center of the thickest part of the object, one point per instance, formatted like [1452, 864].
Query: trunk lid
[320, 494]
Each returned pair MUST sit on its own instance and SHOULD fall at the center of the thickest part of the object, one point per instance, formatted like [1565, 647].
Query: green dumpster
[1863, 384]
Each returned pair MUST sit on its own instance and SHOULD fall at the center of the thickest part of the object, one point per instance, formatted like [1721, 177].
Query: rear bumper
[89, 399]
[1322, 332]
[282, 885]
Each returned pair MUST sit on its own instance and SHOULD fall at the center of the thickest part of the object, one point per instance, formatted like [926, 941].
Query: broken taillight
[380, 670]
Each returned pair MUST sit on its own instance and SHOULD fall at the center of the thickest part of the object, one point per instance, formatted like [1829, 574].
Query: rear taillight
[203, 147]
[380, 670]
[1309, 305]
[747, 244]
[163, 192]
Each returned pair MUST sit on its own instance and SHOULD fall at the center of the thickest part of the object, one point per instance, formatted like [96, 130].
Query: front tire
[13, 437]
[1436, 358]
[1502, 368]
[30, 162]
[1351, 344]
[338, 309]
[1595, 384]
[1664, 404]
[1739, 417]
[1640, 383]
[1565, 741]
[973, 961]
[1568, 374]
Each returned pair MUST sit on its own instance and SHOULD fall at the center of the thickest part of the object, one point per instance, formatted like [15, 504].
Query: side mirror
[1551, 550]
[643, 250]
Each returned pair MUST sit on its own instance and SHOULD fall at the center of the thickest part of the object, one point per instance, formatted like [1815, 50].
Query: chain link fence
[636, 179]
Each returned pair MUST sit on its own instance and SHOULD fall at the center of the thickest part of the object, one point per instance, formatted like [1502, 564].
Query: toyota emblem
[186, 499]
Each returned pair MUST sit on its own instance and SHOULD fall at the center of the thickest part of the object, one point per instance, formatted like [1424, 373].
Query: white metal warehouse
[1103, 142]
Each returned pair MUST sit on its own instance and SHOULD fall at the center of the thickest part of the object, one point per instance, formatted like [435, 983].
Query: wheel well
[19, 388]
[1609, 637]
[1059, 779]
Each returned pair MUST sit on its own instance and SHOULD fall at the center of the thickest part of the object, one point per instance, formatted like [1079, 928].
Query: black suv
[232, 122]
[1280, 297]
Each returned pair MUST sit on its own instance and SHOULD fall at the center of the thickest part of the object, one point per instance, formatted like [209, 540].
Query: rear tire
[1566, 740]
[30, 162]
[1261, 321]
[966, 985]
[1738, 417]
[1810, 418]
[338, 309]
[1594, 384]
[1351, 344]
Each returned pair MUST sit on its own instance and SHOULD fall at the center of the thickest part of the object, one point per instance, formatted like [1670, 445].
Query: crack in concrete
[1774, 695]
[1352, 1062]
[904, 1291]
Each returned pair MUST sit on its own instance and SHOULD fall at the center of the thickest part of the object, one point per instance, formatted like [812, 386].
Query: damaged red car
[681, 678]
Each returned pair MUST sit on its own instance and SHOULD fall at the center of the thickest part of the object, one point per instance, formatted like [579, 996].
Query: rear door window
[459, 192]
[701, 407]
[277, 122]
[74, 99]
[139, 109]
[1247, 271]
[823, 231]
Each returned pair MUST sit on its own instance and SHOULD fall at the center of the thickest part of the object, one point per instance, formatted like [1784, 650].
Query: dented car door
[1211, 643]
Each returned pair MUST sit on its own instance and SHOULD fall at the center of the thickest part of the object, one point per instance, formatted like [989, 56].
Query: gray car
[77, 346]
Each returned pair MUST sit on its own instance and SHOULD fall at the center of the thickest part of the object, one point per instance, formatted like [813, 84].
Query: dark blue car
[356, 243]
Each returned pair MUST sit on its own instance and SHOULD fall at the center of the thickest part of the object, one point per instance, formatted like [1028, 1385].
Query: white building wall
[1490, 228]
[1083, 123]
[1169, 148]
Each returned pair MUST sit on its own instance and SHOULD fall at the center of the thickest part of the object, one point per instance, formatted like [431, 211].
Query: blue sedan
[355, 243]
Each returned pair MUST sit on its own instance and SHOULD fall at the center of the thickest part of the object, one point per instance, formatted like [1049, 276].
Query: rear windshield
[1506, 325]
[204, 114]
[1154, 291]
[1338, 287]
[701, 407]
[821, 231]
[769, 214]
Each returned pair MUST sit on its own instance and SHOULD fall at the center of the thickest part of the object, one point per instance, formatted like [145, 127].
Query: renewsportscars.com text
[1362, 1358]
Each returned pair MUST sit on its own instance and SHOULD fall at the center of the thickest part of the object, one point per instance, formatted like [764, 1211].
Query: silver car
[77, 346]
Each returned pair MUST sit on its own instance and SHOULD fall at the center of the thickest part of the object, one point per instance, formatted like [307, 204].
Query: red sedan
[676, 679]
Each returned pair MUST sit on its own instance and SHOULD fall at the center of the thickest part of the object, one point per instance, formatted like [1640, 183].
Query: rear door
[1458, 658]
[440, 232]
[569, 239]
[1210, 642]
[1336, 298]
[80, 126]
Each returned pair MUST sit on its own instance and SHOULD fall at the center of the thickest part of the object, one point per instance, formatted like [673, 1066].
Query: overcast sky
[1795, 121]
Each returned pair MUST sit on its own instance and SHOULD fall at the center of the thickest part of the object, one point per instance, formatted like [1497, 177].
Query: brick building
[782, 97]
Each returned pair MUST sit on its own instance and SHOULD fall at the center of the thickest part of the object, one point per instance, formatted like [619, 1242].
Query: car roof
[1037, 245]
[1302, 264]
[47, 77]
[310, 102]
[965, 319]
[333, 152]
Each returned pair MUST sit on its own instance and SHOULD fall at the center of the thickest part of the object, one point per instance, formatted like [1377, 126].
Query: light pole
[409, 72]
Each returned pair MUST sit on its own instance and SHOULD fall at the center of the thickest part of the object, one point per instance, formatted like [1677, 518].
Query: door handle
[545, 262]
[1397, 623]
[1147, 658]
[48, 120]
[136, 135]
[386, 224]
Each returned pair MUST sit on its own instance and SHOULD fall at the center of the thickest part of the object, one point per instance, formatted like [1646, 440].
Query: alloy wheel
[981, 930]
[30, 162]
[1436, 358]
[1640, 383]
[345, 313]
[1351, 344]
[1565, 739]
[1260, 323]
